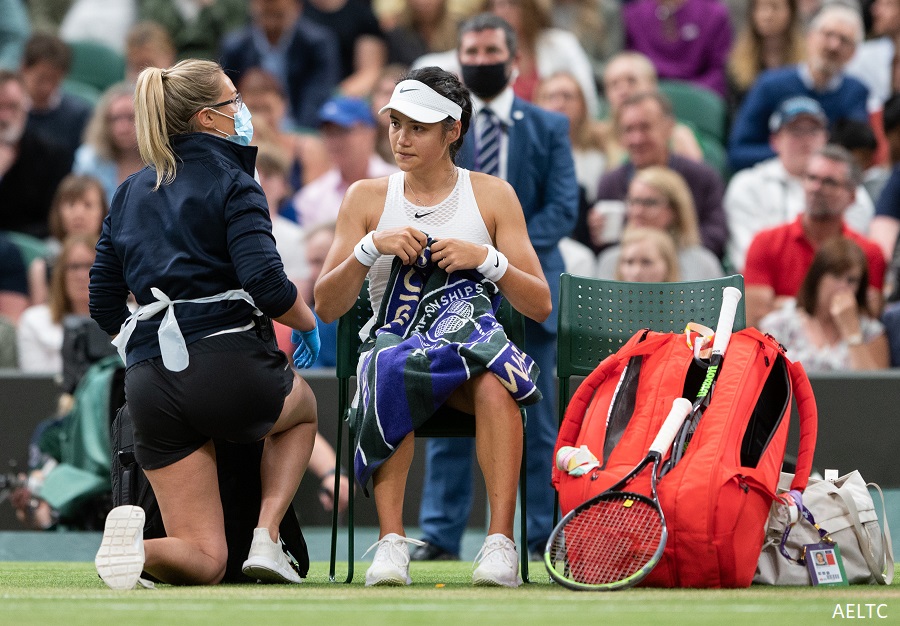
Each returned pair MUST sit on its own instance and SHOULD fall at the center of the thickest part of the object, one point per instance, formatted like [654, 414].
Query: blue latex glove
[308, 349]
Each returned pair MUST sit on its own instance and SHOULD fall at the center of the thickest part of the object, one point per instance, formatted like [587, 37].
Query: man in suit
[302, 54]
[535, 157]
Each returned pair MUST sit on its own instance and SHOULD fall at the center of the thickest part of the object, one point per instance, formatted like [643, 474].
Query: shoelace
[394, 544]
[495, 545]
[291, 560]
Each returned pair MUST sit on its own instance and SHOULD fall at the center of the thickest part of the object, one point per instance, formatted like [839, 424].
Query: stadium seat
[29, 247]
[705, 110]
[446, 422]
[597, 317]
[96, 65]
[714, 155]
[82, 90]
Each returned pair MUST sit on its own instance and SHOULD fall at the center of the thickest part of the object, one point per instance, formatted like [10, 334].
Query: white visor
[421, 103]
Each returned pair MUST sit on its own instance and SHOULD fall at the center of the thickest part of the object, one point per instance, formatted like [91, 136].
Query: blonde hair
[660, 240]
[165, 102]
[586, 132]
[98, 132]
[669, 183]
[536, 17]
[271, 159]
[149, 34]
[58, 299]
[745, 61]
[445, 30]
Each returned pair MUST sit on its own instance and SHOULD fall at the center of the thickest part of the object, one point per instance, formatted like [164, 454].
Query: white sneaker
[267, 561]
[498, 563]
[391, 563]
[120, 559]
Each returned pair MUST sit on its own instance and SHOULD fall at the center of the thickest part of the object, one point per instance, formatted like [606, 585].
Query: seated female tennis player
[476, 223]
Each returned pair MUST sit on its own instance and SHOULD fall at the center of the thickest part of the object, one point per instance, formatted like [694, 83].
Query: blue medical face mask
[243, 127]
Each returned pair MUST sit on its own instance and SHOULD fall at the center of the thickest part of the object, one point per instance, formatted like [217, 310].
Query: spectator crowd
[667, 140]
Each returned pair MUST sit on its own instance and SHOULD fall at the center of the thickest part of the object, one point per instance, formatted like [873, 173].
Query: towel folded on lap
[433, 332]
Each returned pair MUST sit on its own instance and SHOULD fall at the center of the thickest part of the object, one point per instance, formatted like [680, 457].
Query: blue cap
[792, 108]
[346, 112]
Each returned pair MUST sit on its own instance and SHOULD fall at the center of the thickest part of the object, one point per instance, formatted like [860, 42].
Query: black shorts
[233, 389]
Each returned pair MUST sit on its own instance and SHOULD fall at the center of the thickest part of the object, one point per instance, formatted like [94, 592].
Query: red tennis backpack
[716, 499]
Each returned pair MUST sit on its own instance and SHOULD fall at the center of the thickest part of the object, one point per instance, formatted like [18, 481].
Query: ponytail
[165, 103]
[150, 124]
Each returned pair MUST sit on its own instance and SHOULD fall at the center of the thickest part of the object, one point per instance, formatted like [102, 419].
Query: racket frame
[661, 443]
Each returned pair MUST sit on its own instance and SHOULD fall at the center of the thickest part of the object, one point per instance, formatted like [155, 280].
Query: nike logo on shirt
[418, 216]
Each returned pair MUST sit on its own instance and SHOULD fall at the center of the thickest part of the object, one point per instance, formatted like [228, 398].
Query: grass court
[70, 593]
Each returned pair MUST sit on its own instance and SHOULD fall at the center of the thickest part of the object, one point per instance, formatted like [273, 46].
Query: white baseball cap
[421, 103]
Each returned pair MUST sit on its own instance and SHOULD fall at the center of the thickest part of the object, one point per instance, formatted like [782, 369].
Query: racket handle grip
[681, 408]
[730, 298]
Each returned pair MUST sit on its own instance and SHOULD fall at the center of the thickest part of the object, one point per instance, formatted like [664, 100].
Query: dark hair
[853, 135]
[835, 256]
[7, 76]
[489, 21]
[448, 85]
[50, 48]
[834, 152]
[259, 81]
[890, 115]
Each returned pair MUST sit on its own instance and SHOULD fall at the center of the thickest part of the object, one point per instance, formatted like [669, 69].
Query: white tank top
[457, 216]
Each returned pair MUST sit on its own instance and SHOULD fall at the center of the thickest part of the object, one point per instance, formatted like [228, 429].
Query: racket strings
[608, 542]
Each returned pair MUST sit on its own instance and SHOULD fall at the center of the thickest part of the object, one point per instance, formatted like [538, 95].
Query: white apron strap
[171, 341]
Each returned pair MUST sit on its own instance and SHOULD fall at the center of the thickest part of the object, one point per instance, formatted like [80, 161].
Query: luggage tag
[822, 559]
[825, 564]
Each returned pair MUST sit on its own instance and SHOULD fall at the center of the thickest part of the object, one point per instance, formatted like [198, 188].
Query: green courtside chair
[82, 90]
[446, 422]
[597, 317]
[96, 65]
[702, 108]
[29, 247]
[714, 155]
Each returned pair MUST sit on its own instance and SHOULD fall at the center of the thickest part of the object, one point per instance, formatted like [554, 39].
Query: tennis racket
[730, 298]
[613, 540]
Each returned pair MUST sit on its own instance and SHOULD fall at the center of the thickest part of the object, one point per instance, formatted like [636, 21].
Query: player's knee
[490, 391]
[218, 562]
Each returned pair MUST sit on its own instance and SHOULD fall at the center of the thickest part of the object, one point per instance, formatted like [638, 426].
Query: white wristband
[494, 266]
[365, 251]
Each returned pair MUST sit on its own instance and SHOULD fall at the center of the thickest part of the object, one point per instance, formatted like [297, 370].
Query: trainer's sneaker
[267, 561]
[391, 563]
[120, 558]
[498, 563]
[431, 552]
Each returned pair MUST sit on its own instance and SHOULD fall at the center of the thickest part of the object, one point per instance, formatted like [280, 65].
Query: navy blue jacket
[541, 171]
[312, 63]
[205, 233]
[748, 142]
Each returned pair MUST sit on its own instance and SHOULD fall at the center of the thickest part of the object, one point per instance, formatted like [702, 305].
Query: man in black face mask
[528, 147]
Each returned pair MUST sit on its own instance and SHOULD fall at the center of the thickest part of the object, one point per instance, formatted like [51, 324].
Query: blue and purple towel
[433, 332]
